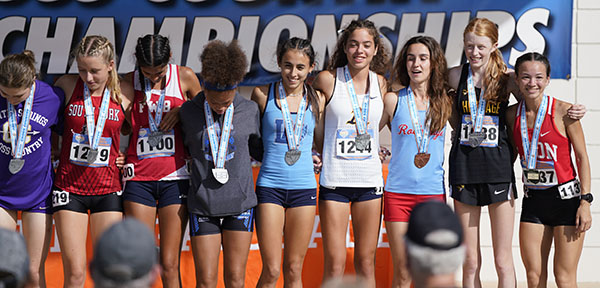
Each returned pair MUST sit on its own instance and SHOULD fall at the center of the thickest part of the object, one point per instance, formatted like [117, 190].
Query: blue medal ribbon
[421, 133]
[361, 116]
[530, 149]
[292, 133]
[17, 140]
[477, 111]
[95, 131]
[218, 147]
[155, 121]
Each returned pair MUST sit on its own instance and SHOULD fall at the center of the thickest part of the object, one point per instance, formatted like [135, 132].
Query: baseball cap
[14, 259]
[433, 224]
[125, 252]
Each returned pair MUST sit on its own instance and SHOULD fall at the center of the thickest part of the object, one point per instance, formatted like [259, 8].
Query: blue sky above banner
[51, 29]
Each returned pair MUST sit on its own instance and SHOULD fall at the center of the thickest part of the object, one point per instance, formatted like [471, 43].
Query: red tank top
[74, 174]
[554, 151]
[167, 160]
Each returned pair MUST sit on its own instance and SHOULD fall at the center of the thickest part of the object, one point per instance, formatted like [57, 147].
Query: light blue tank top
[274, 172]
[403, 175]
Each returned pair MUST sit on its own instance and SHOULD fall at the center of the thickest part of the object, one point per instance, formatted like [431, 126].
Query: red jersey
[75, 174]
[554, 151]
[167, 160]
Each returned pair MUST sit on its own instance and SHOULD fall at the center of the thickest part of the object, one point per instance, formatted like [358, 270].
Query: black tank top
[481, 164]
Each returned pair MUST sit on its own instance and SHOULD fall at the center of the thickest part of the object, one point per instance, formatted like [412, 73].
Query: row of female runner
[339, 115]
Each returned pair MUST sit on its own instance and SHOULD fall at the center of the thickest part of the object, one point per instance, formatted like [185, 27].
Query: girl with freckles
[87, 178]
[286, 187]
[416, 116]
[353, 87]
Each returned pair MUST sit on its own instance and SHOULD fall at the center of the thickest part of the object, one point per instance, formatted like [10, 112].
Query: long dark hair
[152, 50]
[380, 61]
[306, 48]
[440, 104]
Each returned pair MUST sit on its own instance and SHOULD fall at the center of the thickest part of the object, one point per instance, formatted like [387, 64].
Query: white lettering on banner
[323, 38]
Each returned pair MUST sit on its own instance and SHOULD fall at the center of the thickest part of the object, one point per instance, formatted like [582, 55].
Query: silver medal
[154, 138]
[92, 156]
[15, 165]
[221, 175]
[476, 138]
[362, 141]
[291, 156]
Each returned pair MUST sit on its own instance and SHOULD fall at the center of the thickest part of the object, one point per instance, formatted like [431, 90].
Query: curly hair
[99, 46]
[440, 103]
[381, 60]
[223, 64]
[306, 48]
[18, 70]
[152, 50]
[495, 79]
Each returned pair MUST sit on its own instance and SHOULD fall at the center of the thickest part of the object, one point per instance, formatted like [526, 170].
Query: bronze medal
[421, 159]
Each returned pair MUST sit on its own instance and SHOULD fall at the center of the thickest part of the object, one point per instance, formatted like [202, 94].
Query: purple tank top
[32, 185]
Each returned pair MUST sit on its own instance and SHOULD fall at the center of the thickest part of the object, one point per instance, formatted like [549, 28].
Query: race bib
[60, 198]
[128, 172]
[164, 148]
[489, 127]
[345, 145]
[569, 190]
[80, 150]
[548, 177]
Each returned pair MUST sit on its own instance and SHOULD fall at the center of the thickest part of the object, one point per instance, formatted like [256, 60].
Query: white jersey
[343, 164]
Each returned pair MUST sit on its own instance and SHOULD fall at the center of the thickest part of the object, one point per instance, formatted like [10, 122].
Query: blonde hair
[495, 78]
[18, 70]
[99, 46]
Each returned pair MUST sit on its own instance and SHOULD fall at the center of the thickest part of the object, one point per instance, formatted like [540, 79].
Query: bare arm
[260, 96]
[390, 102]
[189, 82]
[325, 83]
[67, 84]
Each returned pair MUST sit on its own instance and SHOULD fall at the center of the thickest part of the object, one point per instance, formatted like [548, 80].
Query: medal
[291, 156]
[15, 165]
[530, 149]
[221, 175]
[477, 111]
[421, 159]
[155, 134]
[94, 129]
[219, 143]
[362, 141]
[92, 156]
[421, 133]
[154, 138]
[292, 133]
[533, 175]
[18, 134]
[475, 139]
[361, 116]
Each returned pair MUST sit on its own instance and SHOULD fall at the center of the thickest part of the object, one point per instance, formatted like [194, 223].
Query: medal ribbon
[360, 116]
[218, 147]
[95, 131]
[421, 133]
[154, 122]
[477, 111]
[292, 132]
[17, 142]
[530, 150]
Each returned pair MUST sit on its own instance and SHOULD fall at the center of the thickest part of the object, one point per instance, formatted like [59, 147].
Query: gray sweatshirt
[206, 196]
